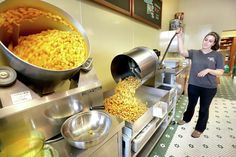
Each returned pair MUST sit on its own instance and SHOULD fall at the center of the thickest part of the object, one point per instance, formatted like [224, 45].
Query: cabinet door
[109, 149]
[232, 54]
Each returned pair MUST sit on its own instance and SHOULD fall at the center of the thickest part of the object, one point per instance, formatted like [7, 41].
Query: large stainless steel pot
[35, 73]
[140, 62]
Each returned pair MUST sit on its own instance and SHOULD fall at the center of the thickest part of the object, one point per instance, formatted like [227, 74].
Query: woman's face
[208, 42]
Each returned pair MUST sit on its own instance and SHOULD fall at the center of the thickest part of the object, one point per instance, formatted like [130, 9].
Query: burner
[42, 88]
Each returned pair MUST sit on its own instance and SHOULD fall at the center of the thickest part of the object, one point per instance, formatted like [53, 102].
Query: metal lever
[168, 48]
[54, 139]
[136, 72]
[134, 69]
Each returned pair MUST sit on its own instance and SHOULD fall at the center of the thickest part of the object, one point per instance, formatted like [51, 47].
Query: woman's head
[211, 41]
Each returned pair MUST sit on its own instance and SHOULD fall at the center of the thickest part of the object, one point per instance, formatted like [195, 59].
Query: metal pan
[35, 73]
[86, 129]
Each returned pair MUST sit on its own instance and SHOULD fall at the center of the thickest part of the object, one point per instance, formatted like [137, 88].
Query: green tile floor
[218, 139]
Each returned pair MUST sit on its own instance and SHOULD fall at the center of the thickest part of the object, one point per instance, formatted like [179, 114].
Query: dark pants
[206, 95]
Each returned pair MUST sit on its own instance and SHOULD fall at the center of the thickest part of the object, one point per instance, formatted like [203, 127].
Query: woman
[206, 64]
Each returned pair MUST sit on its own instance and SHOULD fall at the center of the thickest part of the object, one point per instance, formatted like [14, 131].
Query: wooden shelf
[225, 42]
[226, 62]
[225, 48]
[227, 74]
[228, 49]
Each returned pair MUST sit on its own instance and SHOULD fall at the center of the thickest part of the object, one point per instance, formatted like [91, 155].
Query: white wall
[203, 16]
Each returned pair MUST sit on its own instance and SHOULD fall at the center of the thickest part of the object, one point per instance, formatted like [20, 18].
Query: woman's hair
[216, 46]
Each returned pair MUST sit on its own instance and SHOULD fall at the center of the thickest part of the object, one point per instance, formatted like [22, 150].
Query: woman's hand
[217, 72]
[179, 31]
[203, 73]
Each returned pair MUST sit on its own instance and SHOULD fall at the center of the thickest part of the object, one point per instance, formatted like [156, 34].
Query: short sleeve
[219, 61]
[190, 54]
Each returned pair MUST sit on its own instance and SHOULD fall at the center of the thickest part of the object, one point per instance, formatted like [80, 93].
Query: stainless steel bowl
[34, 73]
[86, 129]
[59, 112]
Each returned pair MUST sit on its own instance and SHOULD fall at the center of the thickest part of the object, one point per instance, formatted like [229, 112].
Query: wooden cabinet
[232, 55]
[225, 43]
[228, 49]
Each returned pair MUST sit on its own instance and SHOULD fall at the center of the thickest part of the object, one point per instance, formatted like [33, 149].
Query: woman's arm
[217, 72]
[182, 51]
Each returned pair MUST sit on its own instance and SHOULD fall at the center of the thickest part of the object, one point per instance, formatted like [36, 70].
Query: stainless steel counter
[45, 115]
[177, 70]
[113, 141]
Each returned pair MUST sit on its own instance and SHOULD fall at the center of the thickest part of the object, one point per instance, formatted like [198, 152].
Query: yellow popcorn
[52, 49]
[49, 49]
[123, 103]
[17, 15]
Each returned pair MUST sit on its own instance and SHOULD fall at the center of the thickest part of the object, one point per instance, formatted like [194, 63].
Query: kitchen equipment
[175, 24]
[24, 106]
[141, 138]
[47, 114]
[171, 63]
[34, 82]
[47, 78]
[140, 62]
[86, 129]
[50, 151]
[61, 111]
[168, 38]
[7, 76]
[143, 63]
[28, 146]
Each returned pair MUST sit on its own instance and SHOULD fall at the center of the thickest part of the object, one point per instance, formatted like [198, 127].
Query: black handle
[158, 53]
[97, 107]
[74, 79]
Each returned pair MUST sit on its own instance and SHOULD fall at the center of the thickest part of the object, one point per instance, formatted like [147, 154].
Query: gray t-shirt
[200, 61]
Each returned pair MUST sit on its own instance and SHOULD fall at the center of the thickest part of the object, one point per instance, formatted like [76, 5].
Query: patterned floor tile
[219, 139]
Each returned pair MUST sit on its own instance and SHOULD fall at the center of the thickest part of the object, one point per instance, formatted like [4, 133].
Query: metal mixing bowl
[59, 112]
[86, 129]
[34, 73]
